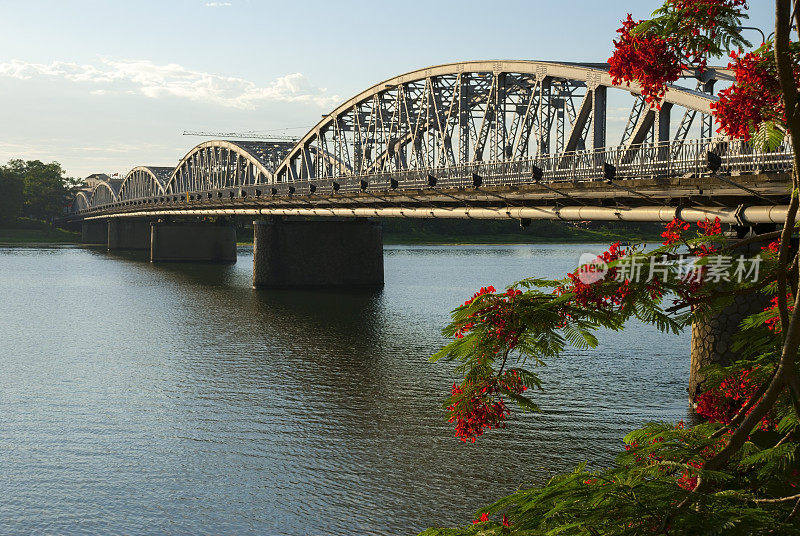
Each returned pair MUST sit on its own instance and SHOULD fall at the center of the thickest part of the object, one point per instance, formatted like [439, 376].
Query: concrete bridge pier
[128, 233]
[712, 337]
[317, 254]
[94, 232]
[192, 242]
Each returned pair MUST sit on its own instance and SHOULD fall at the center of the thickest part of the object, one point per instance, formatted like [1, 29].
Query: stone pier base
[317, 254]
[192, 242]
[128, 233]
[711, 338]
[94, 232]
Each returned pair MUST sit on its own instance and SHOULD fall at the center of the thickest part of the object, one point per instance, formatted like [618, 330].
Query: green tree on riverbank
[11, 197]
[33, 189]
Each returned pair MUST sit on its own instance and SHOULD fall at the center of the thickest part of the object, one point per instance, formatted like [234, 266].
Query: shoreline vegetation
[407, 232]
[30, 231]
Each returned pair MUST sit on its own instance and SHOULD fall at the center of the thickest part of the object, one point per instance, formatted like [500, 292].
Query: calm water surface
[150, 399]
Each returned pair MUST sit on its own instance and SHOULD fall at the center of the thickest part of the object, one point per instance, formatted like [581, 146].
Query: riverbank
[52, 235]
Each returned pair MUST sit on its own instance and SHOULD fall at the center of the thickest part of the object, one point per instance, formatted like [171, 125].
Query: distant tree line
[33, 189]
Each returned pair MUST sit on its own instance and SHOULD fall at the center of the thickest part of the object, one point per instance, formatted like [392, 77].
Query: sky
[104, 86]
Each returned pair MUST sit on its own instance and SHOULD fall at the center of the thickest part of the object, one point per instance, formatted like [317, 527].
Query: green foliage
[35, 189]
[649, 489]
[11, 199]
[768, 136]
[671, 20]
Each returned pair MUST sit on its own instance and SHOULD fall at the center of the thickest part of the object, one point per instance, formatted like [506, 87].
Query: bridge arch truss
[144, 181]
[472, 112]
[104, 193]
[226, 164]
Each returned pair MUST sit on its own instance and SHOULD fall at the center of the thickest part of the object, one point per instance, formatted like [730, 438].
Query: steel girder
[226, 164]
[461, 113]
[447, 116]
[144, 181]
[82, 200]
[103, 194]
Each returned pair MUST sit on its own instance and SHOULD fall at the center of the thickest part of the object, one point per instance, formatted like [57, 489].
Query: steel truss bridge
[487, 139]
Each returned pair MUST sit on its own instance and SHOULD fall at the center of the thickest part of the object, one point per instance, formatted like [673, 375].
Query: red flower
[655, 60]
[755, 97]
[722, 403]
[774, 323]
[648, 59]
[673, 230]
[484, 518]
[773, 246]
[485, 408]
[710, 228]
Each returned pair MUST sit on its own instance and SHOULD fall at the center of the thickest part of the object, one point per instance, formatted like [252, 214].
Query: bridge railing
[643, 161]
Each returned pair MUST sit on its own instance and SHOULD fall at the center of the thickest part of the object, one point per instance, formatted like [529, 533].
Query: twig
[778, 500]
[793, 512]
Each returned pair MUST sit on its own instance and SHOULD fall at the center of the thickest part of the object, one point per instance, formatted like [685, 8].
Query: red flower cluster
[497, 314]
[688, 482]
[482, 411]
[485, 517]
[709, 228]
[673, 229]
[647, 59]
[774, 323]
[589, 294]
[754, 98]
[773, 246]
[655, 60]
[672, 232]
[469, 325]
[722, 403]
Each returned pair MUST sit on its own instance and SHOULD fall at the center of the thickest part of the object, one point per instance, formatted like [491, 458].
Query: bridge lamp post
[609, 172]
[714, 161]
[477, 181]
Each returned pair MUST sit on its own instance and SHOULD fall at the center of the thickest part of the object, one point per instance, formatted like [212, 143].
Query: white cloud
[172, 80]
[218, 4]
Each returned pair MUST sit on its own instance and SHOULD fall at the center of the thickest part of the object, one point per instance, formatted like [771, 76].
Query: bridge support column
[192, 242]
[712, 337]
[128, 233]
[317, 254]
[94, 232]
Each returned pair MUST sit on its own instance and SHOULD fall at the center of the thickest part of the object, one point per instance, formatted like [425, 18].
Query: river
[149, 399]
